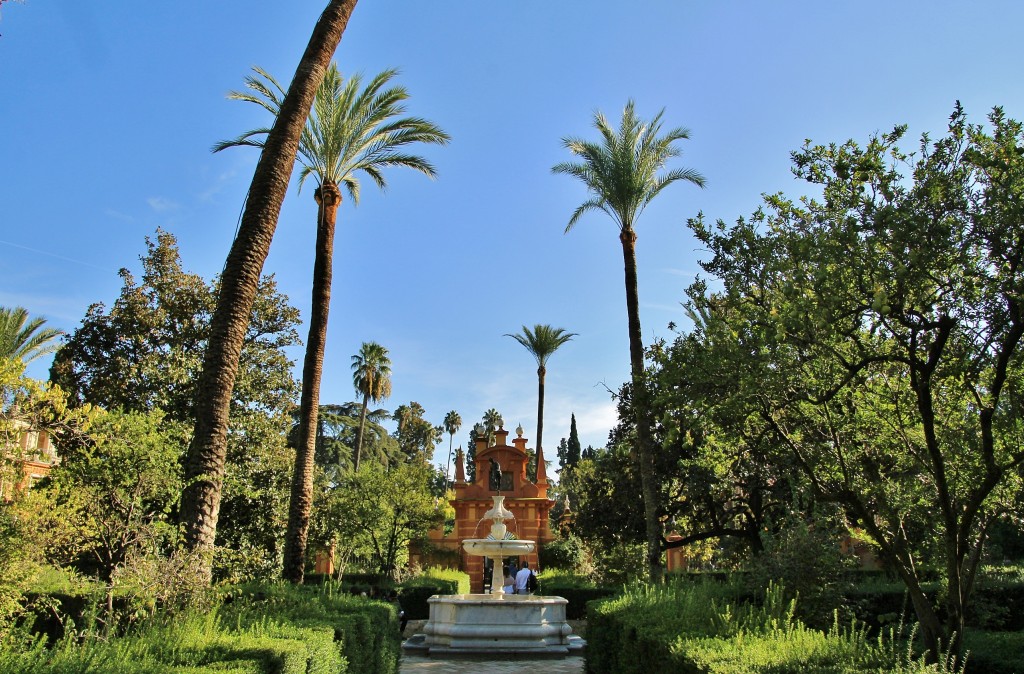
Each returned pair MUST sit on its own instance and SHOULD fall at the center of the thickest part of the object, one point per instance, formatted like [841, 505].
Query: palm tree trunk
[641, 409]
[362, 428]
[541, 371]
[301, 503]
[204, 463]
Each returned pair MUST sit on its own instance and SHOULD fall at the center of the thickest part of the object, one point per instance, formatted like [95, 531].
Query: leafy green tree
[143, 354]
[337, 432]
[452, 424]
[383, 511]
[622, 174]
[121, 482]
[416, 436]
[26, 406]
[541, 342]
[144, 351]
[569, 456]
[349, 132]
[371, 377]
[572, 447]
[721, 476]
[612, 533]
[562, 451]
[207, 454]
[25, 339]
[878, 333]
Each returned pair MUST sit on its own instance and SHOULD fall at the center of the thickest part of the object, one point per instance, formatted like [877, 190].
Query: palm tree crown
[350, 129]
[371, 371]
[24, 339]
[371, 376]
[542, 341]
[622, 169]
[452, 423]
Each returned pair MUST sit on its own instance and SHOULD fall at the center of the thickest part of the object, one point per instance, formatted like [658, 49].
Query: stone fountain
[496, 623]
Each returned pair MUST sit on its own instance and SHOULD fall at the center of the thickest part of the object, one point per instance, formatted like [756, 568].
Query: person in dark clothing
[402, 619]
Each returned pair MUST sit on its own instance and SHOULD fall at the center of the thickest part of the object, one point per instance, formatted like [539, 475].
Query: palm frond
[622, 169]
[351, 128]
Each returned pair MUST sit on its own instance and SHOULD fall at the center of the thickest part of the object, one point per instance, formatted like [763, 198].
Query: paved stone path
[417, 664]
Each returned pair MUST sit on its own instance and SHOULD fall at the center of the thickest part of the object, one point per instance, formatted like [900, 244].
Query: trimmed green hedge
[697, 628]
[194, 645]
[365, 630]
[414, 593]
[578, 597]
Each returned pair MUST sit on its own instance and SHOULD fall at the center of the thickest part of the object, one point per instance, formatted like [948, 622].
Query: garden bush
[994, 652]
[365, 630]
[566, 554]
[577, 589]
[697, 627]
[804, 559]
[194, 644]
[414, 592]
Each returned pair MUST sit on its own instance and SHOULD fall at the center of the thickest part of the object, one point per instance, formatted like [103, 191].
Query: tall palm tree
[492, 420]
[23, 339]
[351, 130]
[622, 173]
[371, 375]
[452, 424]
[543, 341]
[204, 462]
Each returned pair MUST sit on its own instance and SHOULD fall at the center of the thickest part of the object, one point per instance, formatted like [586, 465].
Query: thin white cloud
[118, 215]
[53, 255]
[686, 273]
[217, 186]
[161, 204]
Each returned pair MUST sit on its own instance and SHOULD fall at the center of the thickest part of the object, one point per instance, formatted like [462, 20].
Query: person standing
[402, 619]
[522, 577]
[510, 581]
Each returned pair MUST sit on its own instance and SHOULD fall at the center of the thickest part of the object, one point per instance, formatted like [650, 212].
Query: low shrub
[577, 589]
[414, 592]
[697, 627]
[994, 652]
[435, 575]
[803, 558]
[366, 630]
[194, 644]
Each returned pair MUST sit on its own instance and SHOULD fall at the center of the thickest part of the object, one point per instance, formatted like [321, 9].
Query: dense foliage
[144, 354]
[873, 334]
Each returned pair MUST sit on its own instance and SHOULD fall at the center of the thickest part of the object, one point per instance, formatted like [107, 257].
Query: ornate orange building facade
[528, 501]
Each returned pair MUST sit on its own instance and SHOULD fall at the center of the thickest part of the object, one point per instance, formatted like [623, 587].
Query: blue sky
[108, 111]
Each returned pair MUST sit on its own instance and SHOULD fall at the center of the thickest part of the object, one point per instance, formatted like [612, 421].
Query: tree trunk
[541, 371]
[204, 463]
[362, 428]
[644, 451]
[301, 503]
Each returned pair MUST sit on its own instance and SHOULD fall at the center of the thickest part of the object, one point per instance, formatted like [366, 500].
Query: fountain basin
[474, 624]
[487, 547]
